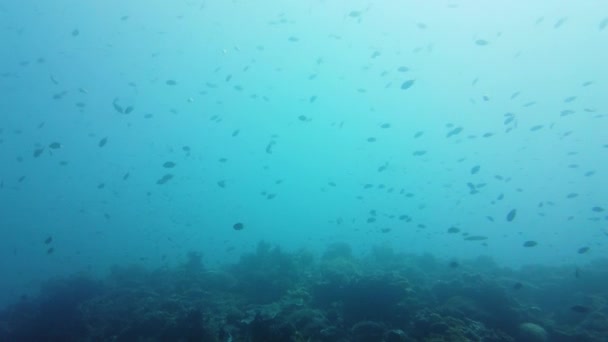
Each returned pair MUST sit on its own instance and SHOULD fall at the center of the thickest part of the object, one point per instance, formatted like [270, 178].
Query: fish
[454, 131]
[536, 128]
[481, 42]
[102, 142]
[560, 22]
[511, 215]
[171, 82]
[530, 243]
[48, 240]
[476, 238]
[269, 147]
[75, 32]
[472, 188]
[38, 152]
[419, 153]
[169, 165]
[54, 145]
[50, 250]
[453, 230]
[517, 286]
[238, 226]
[475, 169]
[597, 209]
[583, 250]
[117, 107]
[603, 24]
[566, 112]
[407, 84]
[453, 264]
[164, 179]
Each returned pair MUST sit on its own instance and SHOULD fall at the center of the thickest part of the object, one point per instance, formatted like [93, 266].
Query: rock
[367, 331]
[396, 335]
[530, 332]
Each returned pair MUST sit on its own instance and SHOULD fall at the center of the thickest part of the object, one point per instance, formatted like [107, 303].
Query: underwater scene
[304, 171]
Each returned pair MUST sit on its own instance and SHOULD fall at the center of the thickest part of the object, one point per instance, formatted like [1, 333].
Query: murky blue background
[277, 115]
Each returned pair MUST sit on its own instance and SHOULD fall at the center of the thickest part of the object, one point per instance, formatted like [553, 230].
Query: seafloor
[272, 295]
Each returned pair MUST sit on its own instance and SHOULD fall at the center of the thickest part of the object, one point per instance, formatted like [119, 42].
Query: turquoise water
[309, 122]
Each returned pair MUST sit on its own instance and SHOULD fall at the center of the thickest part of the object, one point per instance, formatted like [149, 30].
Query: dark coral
[273, 295]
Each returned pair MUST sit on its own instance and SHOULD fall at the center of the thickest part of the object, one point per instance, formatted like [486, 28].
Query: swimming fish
[511, 215]
[407, 84]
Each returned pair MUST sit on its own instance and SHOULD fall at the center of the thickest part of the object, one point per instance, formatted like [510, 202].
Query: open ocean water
[304, 171]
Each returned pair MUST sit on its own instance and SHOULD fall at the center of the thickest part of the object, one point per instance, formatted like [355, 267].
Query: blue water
[290, 118]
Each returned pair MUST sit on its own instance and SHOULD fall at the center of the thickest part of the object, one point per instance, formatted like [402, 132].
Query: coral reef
[273, 295]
